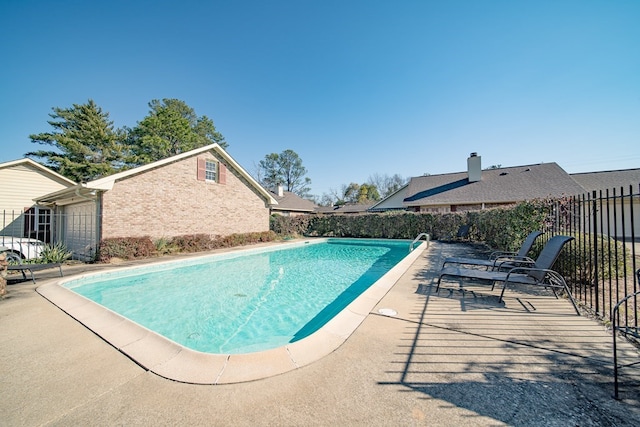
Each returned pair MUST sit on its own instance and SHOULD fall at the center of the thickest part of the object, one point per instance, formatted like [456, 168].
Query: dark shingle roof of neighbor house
[503, 185]
[292, 202]
[343, 209]
[608, 180]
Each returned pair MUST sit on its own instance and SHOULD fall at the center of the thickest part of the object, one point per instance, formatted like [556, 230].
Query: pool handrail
[425, 235]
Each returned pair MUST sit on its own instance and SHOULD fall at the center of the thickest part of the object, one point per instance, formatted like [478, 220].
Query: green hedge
[500, 228]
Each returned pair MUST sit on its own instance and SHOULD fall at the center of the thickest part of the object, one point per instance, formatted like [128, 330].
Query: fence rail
[606, 249]
[78, 231]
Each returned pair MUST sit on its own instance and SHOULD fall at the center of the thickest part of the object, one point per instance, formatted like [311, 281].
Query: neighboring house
[617, 186]
[290, 204]
[23, 181]
[608, 180]
[393, 202]
[478, 189]
[200, 191]
[346, 209]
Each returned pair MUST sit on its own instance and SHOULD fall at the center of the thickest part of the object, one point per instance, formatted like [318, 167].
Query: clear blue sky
[354, 87]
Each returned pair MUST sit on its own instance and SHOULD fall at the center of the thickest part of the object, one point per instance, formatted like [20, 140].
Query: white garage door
[80, 230]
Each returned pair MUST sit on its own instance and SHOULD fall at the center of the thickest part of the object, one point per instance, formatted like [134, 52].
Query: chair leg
[573, 302]
[438, 286]
[563, 282]
[504, 286]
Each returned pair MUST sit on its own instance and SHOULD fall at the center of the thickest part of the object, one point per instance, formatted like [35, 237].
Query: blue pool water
[240, 303]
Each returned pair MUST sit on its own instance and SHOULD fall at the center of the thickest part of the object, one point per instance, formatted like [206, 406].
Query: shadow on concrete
[527, 361]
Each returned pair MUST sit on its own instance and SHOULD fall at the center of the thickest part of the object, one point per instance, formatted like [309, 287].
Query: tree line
[84, 145]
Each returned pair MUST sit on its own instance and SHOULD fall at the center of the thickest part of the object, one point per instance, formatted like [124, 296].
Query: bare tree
[386, 184]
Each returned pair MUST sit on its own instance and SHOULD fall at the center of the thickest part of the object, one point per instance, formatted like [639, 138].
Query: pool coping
[171, 360]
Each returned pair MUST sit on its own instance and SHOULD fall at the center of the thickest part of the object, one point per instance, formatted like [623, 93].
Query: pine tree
[170, 128]
[86, 145]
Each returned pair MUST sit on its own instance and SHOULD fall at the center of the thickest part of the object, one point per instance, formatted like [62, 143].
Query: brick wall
[170, 201]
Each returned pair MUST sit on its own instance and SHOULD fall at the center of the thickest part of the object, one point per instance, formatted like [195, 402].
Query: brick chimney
[474, 167]
[280, 190]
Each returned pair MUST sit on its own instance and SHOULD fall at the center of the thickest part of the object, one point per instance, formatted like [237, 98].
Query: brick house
[477, 189]
[200, 191]
[290, 204]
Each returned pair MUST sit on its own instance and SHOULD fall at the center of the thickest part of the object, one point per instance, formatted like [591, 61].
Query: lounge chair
[499, 259]
[463, 232]
[539, 274]
[23, 268]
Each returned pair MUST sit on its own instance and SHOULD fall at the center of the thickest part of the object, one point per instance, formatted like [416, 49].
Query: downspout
[98, 222]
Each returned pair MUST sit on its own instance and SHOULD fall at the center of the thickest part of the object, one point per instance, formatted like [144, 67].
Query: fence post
[596, 278]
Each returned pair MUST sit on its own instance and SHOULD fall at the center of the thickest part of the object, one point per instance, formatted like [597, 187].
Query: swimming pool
[277, 299]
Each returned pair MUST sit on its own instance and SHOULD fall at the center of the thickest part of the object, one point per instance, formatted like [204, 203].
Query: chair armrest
[550, 278]
[496, 254]
[527, 270]
[519, 261]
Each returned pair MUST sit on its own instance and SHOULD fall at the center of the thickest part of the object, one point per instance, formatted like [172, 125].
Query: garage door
[80, 230]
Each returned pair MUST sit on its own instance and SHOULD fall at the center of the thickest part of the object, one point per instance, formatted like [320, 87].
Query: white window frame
[211, 170]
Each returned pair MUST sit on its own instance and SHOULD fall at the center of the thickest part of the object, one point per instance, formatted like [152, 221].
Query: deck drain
[387, 312]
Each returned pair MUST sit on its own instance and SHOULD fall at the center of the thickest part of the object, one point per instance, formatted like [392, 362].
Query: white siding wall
[395, 201]
[21, 184]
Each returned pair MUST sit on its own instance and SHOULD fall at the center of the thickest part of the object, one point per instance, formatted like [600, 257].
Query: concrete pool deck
[451, 358]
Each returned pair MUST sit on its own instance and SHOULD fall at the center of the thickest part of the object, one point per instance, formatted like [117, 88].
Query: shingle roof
[608, 180]
[503, 185]
[343, 209]
[292, 202]
[107, 182]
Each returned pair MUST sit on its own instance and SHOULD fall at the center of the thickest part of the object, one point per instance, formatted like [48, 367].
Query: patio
[452, 358]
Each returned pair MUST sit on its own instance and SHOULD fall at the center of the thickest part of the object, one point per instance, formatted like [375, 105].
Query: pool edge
[173, 361]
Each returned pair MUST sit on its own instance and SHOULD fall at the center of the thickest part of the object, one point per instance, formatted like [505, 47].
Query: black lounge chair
[463, 232]
[539, 274]
[499, 259]
[23, 268]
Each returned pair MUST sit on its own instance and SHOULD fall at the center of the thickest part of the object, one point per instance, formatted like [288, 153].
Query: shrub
[290, 226]
[193, 243]
[56, 253]
[143, 247]
[165, 246]
[245, 239]
[125, 248]
[576, 259]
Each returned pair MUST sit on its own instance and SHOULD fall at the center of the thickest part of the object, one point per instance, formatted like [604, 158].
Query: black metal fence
[606, 250]
[77, 231]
